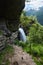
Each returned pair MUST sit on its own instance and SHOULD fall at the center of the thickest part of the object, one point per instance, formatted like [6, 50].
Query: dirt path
[20, 57]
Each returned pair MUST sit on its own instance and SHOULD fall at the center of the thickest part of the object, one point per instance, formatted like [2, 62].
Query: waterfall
[22, 35]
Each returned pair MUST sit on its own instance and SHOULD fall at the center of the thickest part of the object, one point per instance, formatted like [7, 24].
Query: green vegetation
[36, 34]
[34, 44]
[35, 49]
[5, 54]
[27, 22]
[33, 28]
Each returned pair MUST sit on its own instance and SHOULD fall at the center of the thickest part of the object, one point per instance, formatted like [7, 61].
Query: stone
[2, 42]
[15, 63]
[10, 11]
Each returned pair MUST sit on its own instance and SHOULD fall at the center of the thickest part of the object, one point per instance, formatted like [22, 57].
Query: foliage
[36, 34]
[27, 21]
[38, 61]
[36, 50]
[32, 28]
[34, 44]
[20, 43]
[4, 55]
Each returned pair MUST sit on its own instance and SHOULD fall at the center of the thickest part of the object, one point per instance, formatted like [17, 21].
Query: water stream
[22, 35]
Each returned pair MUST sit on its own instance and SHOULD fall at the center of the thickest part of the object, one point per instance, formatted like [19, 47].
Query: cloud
[33, 4]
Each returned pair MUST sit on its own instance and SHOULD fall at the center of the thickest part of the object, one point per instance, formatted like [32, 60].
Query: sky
[33, 4]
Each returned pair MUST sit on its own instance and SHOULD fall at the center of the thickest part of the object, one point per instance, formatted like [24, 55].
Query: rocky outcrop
[2, 42]
[7, 40]
[10, 11]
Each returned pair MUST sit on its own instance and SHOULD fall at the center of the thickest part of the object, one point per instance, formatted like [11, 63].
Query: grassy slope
[37, 52]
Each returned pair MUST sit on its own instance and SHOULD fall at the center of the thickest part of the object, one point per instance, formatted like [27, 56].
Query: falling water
[22, 35]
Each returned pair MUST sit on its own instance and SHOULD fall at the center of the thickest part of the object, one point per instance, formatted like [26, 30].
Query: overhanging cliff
[11, 9]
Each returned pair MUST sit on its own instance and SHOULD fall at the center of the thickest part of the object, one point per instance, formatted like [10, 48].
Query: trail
[20, 57]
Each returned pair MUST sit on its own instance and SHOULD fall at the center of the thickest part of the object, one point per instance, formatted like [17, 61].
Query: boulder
[10, 11]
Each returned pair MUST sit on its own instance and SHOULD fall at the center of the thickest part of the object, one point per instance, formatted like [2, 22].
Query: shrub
[36, 34]
[27, 21]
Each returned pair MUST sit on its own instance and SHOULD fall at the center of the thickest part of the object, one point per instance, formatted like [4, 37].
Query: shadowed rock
[10, 11]
[15, 63]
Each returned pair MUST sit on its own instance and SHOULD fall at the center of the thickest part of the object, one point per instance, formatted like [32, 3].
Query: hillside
[16, 52]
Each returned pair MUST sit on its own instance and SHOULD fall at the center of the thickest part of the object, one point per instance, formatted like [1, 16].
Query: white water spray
[22, 35]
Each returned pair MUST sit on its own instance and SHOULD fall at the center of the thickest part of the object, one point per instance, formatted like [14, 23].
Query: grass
[4, 55]
[38, 60]
[36, 51]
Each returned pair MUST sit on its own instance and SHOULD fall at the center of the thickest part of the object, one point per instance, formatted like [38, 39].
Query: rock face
[10, 11]
[2, 42]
